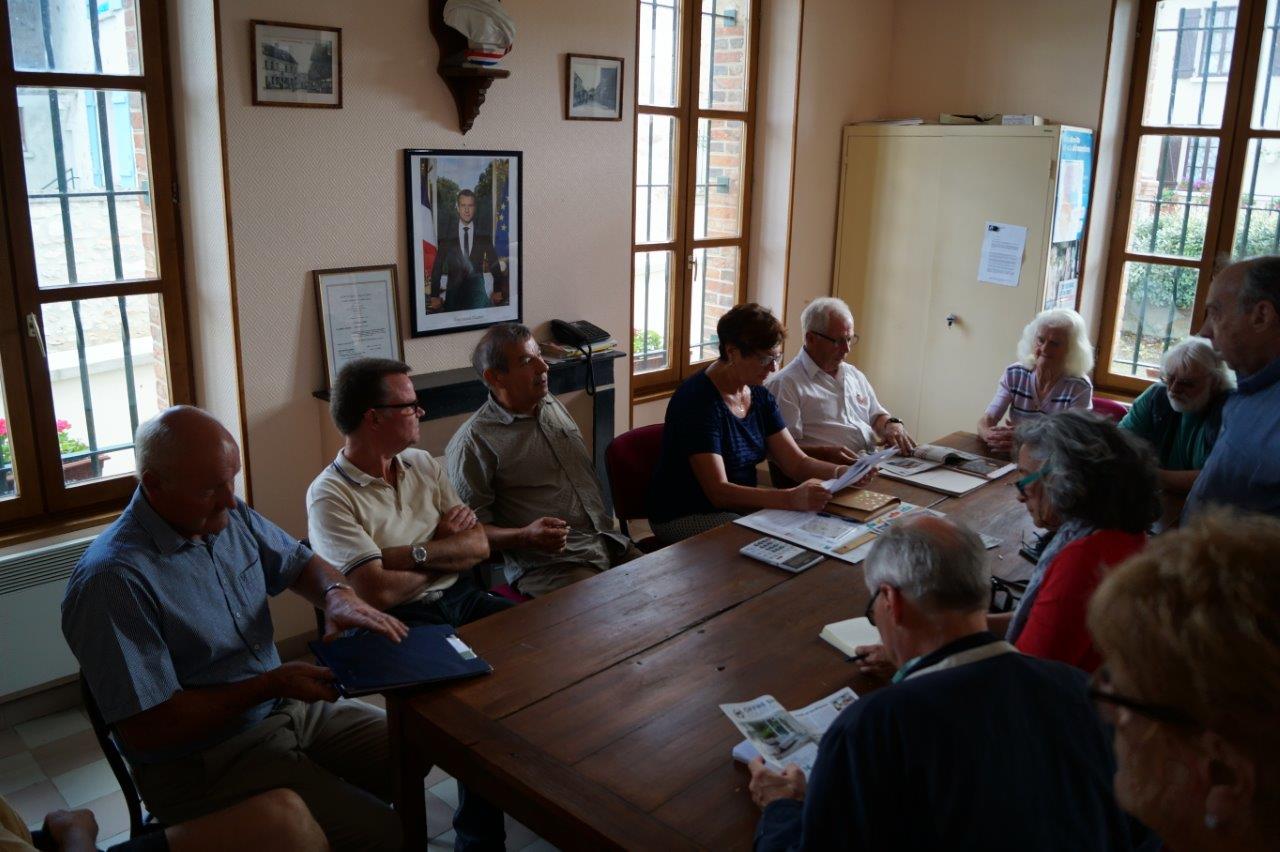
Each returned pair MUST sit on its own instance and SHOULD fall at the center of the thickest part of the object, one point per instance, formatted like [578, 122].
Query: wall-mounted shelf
[467, 85]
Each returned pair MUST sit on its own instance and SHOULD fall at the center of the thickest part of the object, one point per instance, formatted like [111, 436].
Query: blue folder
[368, 663]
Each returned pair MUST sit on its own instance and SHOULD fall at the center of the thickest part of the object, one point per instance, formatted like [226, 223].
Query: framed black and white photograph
[357, 306]
[464, 220]
[594, 88]
[296, 65]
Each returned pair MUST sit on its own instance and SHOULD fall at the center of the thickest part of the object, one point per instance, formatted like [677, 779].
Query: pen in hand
[856, 658]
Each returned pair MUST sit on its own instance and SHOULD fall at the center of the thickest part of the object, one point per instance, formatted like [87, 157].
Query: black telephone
[577, 333]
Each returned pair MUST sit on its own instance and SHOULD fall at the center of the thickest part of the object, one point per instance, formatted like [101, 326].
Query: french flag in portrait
[428, 223]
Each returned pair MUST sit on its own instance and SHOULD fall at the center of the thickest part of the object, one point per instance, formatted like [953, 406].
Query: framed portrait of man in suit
[464, 238]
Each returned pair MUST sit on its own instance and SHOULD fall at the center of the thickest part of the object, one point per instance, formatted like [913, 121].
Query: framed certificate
[358, 316]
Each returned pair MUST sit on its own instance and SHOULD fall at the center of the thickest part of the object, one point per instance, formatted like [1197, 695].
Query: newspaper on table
[831, 535]
[781, 737]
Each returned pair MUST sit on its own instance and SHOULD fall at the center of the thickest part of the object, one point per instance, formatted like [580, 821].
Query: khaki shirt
[513, 469]
[14, 836]
[352, 516]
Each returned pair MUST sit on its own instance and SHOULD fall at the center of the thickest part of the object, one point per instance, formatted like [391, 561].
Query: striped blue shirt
[149, 612]
[1017, 395]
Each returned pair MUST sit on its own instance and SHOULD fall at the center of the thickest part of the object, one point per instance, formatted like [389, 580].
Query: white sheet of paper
[1002, 249]
[857, 470]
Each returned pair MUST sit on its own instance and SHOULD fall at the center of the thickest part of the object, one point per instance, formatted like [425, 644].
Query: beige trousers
[335, 756]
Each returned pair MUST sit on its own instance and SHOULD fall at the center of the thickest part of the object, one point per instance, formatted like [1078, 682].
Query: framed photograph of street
[464, 218]
[594, 88]
[358, 313]
[296, 65]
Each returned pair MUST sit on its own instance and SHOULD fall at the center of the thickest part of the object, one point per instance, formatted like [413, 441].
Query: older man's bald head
[167, 441]
[937, 562]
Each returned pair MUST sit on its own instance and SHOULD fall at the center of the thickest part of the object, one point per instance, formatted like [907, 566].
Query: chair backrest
[1110, 408]
[137, 819]
[630, 460]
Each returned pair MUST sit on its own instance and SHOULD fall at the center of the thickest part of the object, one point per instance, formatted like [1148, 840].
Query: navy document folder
[368, 663]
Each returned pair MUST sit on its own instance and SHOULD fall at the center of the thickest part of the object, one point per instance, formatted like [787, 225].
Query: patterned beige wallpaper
[314, 188]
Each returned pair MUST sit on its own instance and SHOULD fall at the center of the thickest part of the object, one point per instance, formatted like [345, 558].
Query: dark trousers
[477, 825]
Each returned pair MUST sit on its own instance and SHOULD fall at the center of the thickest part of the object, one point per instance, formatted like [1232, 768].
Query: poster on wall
[464, 238]
[1071, 202]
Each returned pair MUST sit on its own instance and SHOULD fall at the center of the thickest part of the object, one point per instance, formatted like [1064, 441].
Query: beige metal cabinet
[914, 203]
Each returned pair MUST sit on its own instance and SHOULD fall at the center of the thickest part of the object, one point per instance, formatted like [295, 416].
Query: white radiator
[32, 650]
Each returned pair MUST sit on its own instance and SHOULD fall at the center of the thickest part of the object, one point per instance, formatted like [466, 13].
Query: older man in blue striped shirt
[167, 614]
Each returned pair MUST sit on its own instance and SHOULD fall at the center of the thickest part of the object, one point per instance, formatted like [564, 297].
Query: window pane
[87, 174]
[715, 291]
[1190, 60]
[655, 177]
[722, 63]
[108, 372]
[85, 37]
[658, 61]
[8, 475]
[717, 210]
[1266, 97]
[1258, 213]
[1154, 313]
[652, 294]
[1172, 183]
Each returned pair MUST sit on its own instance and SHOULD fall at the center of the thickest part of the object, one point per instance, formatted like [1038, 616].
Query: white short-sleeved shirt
[352, 516]
[823, 409]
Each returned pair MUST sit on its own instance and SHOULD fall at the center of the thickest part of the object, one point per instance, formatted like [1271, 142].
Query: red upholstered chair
[630, 460]
[1110, 407]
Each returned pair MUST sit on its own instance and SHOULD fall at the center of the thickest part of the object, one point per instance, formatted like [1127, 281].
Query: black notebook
[369, 662]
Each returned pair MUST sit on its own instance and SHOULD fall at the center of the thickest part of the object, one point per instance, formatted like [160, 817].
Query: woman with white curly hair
[1050, 375]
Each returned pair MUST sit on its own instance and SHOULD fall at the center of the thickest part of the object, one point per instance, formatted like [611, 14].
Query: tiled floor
[54, 762]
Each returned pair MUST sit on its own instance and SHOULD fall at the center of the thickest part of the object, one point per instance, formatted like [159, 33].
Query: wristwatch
[419, 554]
[894, 420]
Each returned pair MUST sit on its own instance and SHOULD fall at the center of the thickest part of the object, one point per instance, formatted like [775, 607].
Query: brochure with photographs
[782, 737]
[929, 456]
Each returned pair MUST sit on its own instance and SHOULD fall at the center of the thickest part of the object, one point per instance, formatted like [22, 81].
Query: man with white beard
[1181, 415]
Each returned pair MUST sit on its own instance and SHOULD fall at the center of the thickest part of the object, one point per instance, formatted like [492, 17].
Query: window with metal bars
[694, 128]
[1200, 174]
[92, 322]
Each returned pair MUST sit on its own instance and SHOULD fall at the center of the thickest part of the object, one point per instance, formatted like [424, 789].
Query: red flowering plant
[66, 444]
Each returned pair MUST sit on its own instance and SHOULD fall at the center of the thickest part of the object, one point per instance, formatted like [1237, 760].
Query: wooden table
[600, 726]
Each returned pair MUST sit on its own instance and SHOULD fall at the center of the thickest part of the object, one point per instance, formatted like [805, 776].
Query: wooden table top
[600, 726]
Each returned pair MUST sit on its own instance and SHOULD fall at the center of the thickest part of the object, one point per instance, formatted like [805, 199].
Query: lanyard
[961, 658]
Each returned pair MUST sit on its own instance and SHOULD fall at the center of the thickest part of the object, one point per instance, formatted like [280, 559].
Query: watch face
[419, 553]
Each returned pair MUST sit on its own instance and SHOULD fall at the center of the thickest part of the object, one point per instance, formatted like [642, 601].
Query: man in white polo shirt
[386, 515]
[828, 404]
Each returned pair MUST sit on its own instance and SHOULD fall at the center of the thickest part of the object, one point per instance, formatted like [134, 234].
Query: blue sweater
[1002, 753]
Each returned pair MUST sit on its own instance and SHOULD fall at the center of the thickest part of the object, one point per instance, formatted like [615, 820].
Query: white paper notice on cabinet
[1002, 248]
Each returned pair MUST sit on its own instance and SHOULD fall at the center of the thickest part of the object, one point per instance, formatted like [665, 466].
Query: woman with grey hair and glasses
[1094, 485]
[1181, 416]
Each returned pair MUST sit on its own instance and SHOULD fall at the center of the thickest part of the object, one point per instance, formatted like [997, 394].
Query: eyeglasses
[1030, 479]
[1183, 385]
[871, 608]
[402, 407]
[1106, 701]
[769, 358]
[847, 340]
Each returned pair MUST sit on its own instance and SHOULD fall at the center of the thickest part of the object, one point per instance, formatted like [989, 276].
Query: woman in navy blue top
[720, 424]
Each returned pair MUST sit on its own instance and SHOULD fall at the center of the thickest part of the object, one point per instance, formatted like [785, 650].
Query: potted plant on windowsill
[73, 470]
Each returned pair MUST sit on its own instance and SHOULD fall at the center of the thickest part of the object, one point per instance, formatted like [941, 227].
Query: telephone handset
[577, 333]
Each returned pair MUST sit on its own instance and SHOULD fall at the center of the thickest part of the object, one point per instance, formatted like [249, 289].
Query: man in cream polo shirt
[828, 405]
[386, 515]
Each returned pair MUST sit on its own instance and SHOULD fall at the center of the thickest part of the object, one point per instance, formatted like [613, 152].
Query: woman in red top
[1096, 485]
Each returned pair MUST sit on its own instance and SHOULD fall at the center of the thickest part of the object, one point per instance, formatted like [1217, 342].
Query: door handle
[952, 319]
